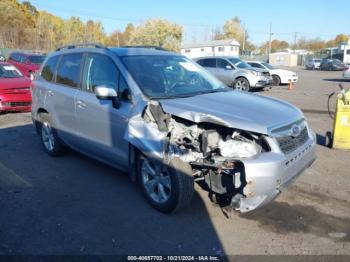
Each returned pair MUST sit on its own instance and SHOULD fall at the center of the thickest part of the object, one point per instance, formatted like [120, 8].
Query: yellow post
[341, 129]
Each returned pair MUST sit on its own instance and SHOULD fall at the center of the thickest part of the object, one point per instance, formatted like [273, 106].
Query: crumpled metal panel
[234, 109]
[143, 135]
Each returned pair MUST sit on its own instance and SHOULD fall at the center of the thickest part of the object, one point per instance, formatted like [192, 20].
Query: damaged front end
[216, 152]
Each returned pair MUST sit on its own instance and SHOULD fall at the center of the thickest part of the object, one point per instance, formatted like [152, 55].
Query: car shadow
[339, 80]
[75, 205]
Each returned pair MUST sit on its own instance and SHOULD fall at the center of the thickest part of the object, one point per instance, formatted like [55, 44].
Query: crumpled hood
[235, 109]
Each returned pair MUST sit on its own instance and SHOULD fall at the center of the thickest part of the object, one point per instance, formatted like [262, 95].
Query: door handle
[50, 93]
[80, 104]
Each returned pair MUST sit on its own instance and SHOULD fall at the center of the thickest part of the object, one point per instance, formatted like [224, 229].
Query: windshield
[9, 71]
[163, 76]
[337, 61]
[36, 59]
[268, 66]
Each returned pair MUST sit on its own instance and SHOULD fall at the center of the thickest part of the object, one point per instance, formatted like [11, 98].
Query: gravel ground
[75, 205]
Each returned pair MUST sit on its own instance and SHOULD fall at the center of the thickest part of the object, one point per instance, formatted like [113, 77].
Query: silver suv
[236, 73]
[168, 123]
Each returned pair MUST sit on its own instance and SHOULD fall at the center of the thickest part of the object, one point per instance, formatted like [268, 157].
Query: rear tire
[276, 80]
[49, 138]
[241, 84]
[167, 188]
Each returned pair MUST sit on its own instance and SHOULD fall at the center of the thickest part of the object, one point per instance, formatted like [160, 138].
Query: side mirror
[107, 93]
[228, 67]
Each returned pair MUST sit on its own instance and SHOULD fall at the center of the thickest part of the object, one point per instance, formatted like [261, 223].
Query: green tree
[341, 38]
[158, 32]
[118, 38]
[16, 24]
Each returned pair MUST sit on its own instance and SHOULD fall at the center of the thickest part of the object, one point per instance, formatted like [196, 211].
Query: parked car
[27, 63]
[346, 73]
[167, 122]
[332, 65]
[235, 73]
[279, 76]
[15, 92]
[313, 64]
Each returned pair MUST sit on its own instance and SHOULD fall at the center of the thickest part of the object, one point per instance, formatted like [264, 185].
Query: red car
[27, 63]
[15, 94]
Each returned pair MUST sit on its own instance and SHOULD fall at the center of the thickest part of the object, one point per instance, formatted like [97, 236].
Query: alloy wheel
[156, 180]
[241, 85]
[48, 136]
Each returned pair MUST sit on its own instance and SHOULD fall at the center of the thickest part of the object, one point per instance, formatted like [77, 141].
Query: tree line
[23, 26]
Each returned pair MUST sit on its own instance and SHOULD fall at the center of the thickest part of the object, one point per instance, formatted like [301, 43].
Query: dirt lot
[75, 205]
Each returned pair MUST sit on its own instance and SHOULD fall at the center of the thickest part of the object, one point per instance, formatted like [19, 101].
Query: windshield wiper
[224, 89]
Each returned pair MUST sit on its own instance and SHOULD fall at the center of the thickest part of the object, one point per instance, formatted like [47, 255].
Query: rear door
[60, 96]
[210, 65]
[100, 126]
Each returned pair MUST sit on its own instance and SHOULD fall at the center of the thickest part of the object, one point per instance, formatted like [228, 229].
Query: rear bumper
[272, 172]
[15, 102]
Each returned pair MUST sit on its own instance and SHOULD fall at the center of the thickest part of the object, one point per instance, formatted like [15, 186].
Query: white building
[227, 47]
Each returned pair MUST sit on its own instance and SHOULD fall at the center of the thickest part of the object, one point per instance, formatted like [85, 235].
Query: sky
[306, 18]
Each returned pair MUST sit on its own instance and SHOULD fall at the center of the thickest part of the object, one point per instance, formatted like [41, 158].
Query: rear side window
[36, 59]
[211, 62]
[49, 69]
[69, 70]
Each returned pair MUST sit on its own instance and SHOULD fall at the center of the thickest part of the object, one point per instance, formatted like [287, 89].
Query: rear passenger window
[208, 62]
[69, 69]
[49, 68]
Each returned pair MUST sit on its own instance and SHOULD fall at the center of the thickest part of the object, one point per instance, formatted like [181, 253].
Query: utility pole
[244, 36]
[270, 38]
[295, 40]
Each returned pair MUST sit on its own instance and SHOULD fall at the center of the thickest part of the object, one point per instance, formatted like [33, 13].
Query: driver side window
[222, 63]
[100, 70]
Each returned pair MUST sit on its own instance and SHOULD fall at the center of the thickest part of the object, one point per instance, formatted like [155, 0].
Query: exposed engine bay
[213, 151]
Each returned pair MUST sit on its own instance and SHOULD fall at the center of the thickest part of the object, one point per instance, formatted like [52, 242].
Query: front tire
[49, 138]
[167, 188]
[241, 84]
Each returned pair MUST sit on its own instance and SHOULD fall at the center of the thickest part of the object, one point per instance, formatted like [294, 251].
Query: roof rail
[72, 46]
[145, 46]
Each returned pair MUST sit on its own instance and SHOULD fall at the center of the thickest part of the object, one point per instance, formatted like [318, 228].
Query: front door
[100, 126]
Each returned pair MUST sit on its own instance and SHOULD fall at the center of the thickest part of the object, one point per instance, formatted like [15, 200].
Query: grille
[288, 143]
[16, 103]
